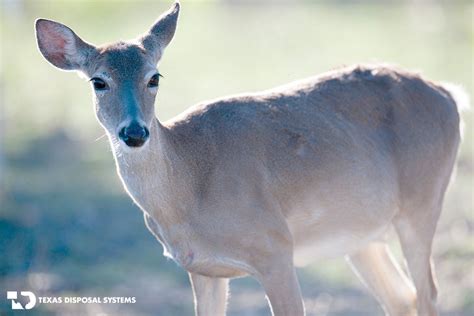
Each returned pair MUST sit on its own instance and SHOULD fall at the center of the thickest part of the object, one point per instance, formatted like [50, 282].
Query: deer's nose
[134, 135]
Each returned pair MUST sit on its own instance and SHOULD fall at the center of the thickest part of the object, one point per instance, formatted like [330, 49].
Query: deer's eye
[154, 81]
[99, 84]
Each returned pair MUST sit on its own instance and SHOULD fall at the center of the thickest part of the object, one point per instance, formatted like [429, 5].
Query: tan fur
[257, 183]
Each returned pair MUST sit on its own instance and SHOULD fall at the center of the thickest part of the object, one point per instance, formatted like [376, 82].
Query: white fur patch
[459, 94]
[461, 98]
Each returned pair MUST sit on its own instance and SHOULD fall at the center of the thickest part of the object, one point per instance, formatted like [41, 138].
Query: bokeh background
[67, 227]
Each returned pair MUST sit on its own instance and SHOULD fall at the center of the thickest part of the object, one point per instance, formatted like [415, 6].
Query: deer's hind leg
[416, 231]
[416, 225]
[379, 271]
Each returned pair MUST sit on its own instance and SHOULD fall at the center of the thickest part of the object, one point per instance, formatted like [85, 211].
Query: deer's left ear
[162, 32]
[61, 46]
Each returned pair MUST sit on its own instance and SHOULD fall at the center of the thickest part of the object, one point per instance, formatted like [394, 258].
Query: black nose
[134, 135]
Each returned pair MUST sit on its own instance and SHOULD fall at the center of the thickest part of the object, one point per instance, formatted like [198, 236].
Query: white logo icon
[13, 296]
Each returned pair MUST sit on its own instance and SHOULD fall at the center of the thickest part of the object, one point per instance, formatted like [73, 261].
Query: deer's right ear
[61, 46]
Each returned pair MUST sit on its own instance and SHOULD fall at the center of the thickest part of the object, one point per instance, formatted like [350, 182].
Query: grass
[63, 211]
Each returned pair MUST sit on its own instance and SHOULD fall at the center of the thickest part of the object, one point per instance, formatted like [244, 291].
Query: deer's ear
[61, 46]
[162, 32]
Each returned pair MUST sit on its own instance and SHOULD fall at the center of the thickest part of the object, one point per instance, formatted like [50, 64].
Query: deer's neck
[155, 176]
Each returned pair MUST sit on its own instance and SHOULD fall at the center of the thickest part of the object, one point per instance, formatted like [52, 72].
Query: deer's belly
[343, 219]
[334, 233]
[315, 247]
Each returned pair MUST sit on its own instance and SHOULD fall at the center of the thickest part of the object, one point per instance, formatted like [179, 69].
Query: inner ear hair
[61, 46]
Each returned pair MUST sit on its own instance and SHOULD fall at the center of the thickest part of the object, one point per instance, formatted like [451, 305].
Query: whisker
[100, 137]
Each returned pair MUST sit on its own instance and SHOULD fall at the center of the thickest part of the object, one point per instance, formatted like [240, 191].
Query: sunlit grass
[59, 179]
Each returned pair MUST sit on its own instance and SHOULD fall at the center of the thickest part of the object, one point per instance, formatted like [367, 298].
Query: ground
[67, 227]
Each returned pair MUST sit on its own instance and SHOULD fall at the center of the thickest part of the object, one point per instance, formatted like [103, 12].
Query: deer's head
[123, 75]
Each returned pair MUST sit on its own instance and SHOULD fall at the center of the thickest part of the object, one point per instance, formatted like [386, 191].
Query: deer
[261, 183]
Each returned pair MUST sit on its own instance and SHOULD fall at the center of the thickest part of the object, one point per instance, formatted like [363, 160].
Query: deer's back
[334, 133]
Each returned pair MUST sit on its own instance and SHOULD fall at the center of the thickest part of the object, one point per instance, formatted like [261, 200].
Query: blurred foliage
[66, 225]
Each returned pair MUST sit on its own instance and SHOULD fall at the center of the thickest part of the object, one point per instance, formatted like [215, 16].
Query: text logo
[13, 296]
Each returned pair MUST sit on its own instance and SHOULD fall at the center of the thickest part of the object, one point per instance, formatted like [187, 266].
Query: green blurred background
[67, 226]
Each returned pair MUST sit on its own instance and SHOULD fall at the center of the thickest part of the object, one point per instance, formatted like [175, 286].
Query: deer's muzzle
[134, 135]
